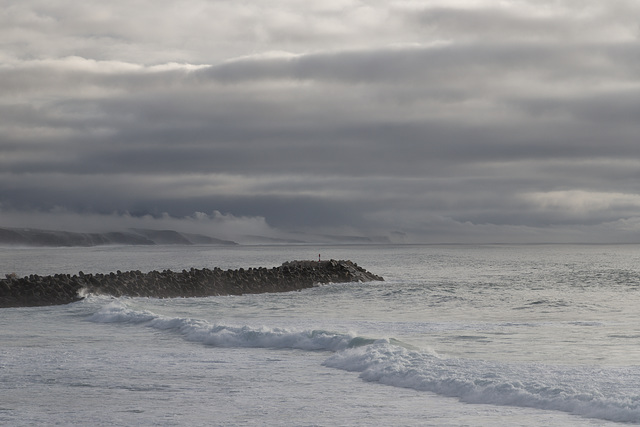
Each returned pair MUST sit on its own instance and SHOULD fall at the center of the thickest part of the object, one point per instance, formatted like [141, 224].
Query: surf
[588, 391]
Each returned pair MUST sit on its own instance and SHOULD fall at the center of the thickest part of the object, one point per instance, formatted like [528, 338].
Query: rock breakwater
[37, 290]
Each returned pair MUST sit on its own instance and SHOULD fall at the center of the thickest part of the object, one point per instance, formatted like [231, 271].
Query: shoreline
[58, 289]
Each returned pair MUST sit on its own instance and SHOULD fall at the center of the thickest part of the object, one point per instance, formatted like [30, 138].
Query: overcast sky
[421, 121]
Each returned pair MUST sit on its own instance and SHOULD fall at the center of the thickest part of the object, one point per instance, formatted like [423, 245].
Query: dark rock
[290, 276]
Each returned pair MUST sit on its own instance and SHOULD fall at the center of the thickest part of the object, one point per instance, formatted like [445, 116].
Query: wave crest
[596, 392]
[576, 390]
[229, 336]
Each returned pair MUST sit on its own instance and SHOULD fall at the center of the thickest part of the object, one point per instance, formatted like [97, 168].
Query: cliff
[37, 290]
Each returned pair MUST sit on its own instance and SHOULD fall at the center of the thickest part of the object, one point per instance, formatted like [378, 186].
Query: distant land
[36, 237]
[140, 236]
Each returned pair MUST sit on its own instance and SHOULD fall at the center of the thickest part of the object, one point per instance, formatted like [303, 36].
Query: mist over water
[476, 335]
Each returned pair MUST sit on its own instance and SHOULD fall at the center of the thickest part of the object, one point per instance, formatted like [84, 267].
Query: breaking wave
[592, 392]
[605, 393]
[230, 336]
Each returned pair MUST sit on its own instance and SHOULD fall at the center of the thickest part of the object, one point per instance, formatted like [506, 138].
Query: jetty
[34, 290]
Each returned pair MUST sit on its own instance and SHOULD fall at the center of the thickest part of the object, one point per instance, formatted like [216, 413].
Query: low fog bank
[66, 229]
[57, 238]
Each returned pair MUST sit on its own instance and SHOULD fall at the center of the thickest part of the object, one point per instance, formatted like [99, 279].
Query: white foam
[605, 393]
[227, 336]
[590, 392]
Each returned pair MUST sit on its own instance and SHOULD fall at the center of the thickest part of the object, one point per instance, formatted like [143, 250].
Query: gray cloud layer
[437, 121]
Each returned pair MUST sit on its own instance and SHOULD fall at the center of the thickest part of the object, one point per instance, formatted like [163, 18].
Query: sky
[453, 121]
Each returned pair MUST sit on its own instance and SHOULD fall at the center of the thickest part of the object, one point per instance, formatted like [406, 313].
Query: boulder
[34, 290]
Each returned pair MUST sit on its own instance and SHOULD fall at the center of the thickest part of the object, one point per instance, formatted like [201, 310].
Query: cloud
[439, 120]
[215, 224]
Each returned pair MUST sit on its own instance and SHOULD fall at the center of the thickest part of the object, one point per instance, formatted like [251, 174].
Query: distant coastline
[33, 237]
[55, 238]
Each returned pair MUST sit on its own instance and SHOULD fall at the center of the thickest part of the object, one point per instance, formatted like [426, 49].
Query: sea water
[455, 335]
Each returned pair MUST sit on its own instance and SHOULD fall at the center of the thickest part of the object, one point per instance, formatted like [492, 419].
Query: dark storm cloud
[442, 121]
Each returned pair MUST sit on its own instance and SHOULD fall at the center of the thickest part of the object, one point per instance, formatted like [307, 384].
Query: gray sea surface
[455, 335]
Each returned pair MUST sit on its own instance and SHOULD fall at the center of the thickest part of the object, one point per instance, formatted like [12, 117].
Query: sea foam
[587, 391]
[595, 392]
[230, 336]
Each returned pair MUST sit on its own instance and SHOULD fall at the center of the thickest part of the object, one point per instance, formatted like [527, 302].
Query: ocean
[493, 335]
